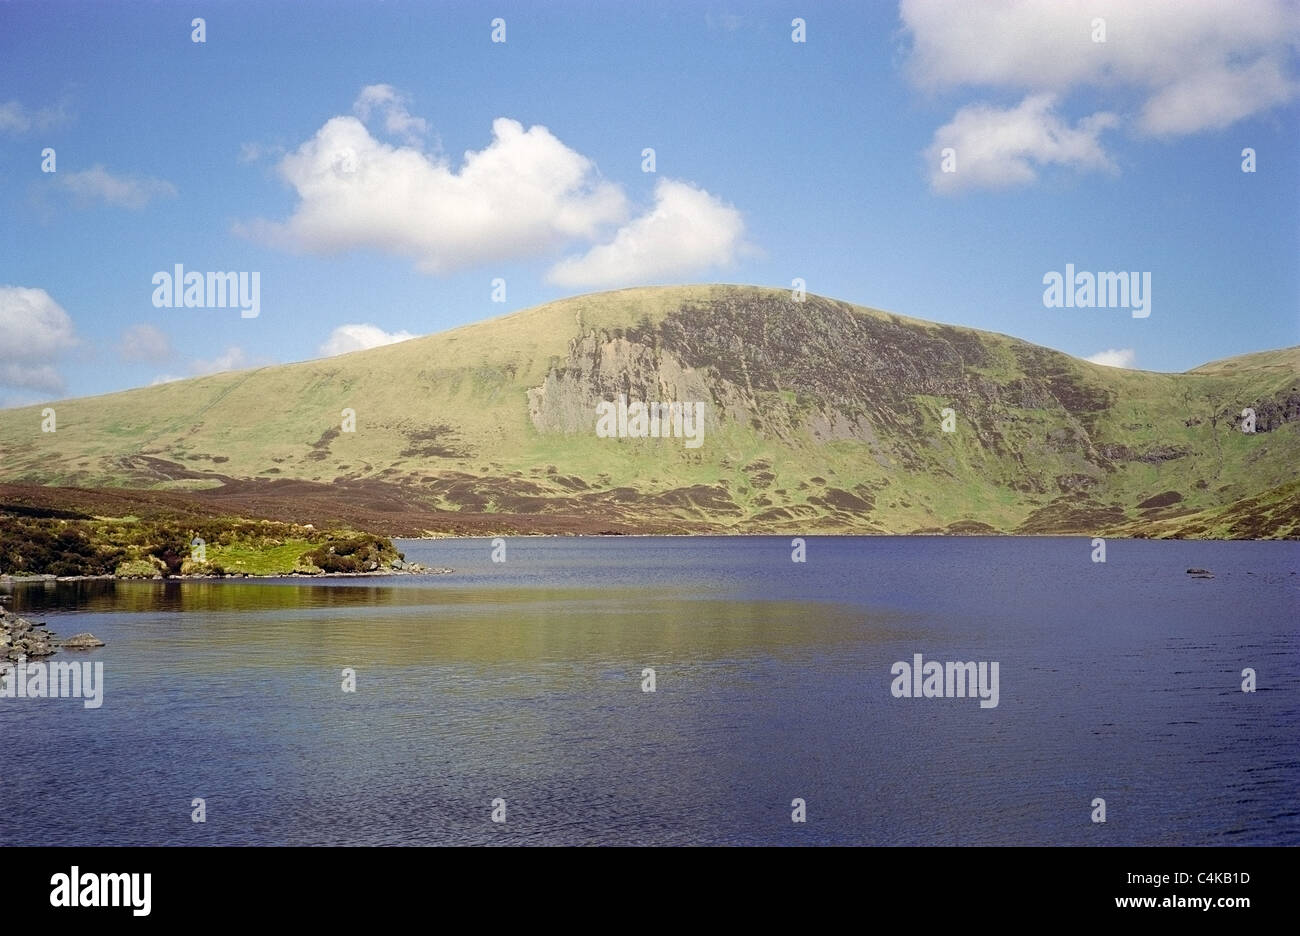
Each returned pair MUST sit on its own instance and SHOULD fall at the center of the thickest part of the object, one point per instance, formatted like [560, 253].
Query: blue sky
[324, 146]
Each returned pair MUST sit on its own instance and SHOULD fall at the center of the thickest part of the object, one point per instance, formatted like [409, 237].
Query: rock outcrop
[21, 639]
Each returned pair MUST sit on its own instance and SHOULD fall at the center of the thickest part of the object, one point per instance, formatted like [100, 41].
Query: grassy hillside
[823, 417]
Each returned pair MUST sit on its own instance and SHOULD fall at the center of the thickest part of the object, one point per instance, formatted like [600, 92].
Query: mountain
[820, 416]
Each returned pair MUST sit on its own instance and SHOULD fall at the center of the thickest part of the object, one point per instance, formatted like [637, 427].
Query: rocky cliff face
[600, 367]
[815, 372]
[805, 375]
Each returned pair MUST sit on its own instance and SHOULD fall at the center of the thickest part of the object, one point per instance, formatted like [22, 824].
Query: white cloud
[687, 231]
[145, 343]
[524, 193]
[358, 337]
[17, 119]
[1195, 64]
[1114, 357]
[233, 358]
[1216, 98]
[253, 151]
[36, 332]
[43, 377]
[121, 191]
[398, 121]
[995, 148]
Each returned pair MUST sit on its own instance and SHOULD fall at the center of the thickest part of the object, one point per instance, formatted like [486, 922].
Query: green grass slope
[822, 417]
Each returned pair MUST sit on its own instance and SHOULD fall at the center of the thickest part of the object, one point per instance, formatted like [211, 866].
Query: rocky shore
[413, 568]
[20, 638]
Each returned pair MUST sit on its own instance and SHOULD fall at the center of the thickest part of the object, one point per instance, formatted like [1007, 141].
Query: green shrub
[38, 545]
[138, 569]
[49, 546]
[351, 552]
[190, 567]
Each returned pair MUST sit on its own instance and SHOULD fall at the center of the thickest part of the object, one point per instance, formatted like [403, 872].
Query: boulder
[81, 642]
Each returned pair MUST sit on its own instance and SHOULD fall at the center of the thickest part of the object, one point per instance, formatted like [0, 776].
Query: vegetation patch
[166, 548]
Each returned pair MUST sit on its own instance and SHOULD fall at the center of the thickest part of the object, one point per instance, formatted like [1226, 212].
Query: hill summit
[814, 417]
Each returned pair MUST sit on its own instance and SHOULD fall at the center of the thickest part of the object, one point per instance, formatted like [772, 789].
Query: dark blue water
[522, 681]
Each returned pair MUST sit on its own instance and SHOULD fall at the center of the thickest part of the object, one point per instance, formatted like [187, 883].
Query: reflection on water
[524, 680]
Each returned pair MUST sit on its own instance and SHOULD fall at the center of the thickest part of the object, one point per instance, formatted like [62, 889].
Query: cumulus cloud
[36, 332]
[1176, 66]
[687, 230]
[1155, 46]
[384, 100]
[1216, 98]
[253, 151]
[347, 338]
[525, 193]
[144, 343]
[233, 358]
[17, 119]
[43, 378]
[97, 183]
[1114, 357]
[996, 147]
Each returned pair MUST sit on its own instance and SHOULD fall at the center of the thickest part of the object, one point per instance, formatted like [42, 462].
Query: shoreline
[936, 535]
[6, 579]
